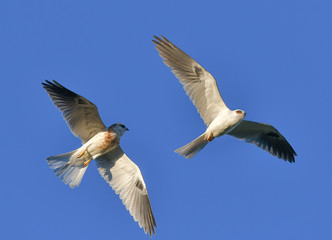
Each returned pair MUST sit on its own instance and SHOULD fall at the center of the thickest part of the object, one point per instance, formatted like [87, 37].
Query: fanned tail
[68, 168]
[192, 148]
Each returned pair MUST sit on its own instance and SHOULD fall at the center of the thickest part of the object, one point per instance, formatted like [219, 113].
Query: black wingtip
[288, 156]
[157, 38]
[291, 159]
[55, 88]
[160, 40]
[45, 83]
[50, 84]
[292, 155]
[164, 38]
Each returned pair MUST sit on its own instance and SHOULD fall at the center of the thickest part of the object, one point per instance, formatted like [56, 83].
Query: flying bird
[202, 89]
[102, 145]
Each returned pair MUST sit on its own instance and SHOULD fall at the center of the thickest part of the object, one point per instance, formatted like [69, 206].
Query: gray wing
[198, 83]
[126, 180]
[266, 137]
[80, 114]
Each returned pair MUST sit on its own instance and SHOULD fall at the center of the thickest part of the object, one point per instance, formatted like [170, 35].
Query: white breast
[223, 123]
[101, 143]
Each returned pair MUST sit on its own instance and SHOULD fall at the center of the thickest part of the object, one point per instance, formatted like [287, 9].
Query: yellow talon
[86, 163]
[210, 137]
[81, 154]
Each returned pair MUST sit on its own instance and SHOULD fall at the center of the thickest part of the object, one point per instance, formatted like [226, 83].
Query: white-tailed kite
[202, 89]
[102, 144]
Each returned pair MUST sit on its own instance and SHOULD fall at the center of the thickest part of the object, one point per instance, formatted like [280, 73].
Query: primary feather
[126, 179]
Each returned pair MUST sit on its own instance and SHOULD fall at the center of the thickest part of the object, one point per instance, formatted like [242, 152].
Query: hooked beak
[127, 129]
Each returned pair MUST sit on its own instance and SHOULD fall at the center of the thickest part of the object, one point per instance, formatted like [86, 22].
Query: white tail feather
[68, 167]
[192, 148]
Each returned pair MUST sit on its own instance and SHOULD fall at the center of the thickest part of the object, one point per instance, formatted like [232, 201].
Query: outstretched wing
[80, 114]
[126, 180]
[266, 137]
[198, 83]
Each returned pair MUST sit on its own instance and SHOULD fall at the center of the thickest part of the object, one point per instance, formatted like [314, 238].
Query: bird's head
[239, 114]
[118, 128]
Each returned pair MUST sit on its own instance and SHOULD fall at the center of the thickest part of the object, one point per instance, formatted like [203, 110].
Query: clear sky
[270, 58]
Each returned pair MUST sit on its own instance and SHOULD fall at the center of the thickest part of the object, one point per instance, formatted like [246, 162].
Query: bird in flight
[102, 145]
[202, 89]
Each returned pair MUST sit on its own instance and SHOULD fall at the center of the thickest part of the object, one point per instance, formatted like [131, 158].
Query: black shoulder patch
[199, 72]
[139, 185]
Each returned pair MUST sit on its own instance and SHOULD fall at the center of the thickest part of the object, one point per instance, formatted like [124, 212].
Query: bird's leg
[81, 154]
[210, 137]
[86, 163]
[88, 155]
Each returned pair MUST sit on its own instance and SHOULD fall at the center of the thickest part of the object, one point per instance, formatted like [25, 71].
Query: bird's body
[98, 145]
[70, 167]
[225, 121]
[102, 145]
[202, 89]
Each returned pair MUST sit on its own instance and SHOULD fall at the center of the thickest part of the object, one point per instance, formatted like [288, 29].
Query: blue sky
[270, 58]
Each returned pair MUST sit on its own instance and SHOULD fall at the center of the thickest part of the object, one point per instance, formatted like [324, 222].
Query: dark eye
[121, 125]
[238, 111]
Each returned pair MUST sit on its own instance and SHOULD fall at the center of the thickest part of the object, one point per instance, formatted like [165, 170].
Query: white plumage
[102, 144]
[203, 91]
